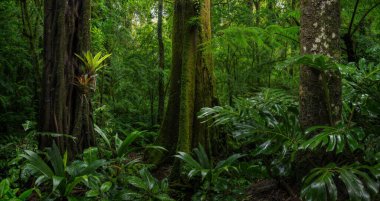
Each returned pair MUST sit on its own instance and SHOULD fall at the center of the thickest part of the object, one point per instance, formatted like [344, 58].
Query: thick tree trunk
[192, 82]
[320, 23]
[161, 62]
[65, 109]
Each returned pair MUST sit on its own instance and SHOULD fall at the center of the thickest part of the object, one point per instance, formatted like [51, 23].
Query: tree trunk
[161, 53]
[320, 23]
[192, 82]
[65, 109]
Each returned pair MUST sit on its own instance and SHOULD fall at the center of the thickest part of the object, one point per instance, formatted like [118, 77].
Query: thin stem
[353, 17]
[364, 16]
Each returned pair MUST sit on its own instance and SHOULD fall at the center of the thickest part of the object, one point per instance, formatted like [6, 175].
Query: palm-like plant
[147, 188]
[361, 182]
[202, 165]
[62, 178]
[92, 64]
[87, 79]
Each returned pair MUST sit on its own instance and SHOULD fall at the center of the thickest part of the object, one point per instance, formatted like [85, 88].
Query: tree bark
[320, 23]
[192, 80]
[65, 109]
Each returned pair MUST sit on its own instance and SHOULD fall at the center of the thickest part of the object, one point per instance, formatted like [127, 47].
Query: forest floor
[261, 190]
[269, 190]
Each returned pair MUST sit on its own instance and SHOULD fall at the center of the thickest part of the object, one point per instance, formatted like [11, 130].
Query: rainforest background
[189, 100]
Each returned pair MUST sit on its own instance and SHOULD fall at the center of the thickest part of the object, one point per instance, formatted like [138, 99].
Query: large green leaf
[26, 194]
[92, 193]
[103, 135]
[92, 167]
[354, 186]
[56, 160]
[189, 160]
[4, 187]
[147, 178]
[70, 186]
[57, 181]
[203, 160]
[90, 154]
[37, 163]
[105, 186]
[228, 162]
[127, 141]
[334, 138]
[319, 184]
[137, 182]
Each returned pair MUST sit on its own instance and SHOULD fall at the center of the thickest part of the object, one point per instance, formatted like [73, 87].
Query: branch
[353, 17]
[364, 16]
[290, 38]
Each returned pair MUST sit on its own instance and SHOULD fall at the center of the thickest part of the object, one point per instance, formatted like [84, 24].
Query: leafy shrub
[59, 177]
[146, 187]
[7, 193]
[359, 180]
[211, 181]
[268, 129]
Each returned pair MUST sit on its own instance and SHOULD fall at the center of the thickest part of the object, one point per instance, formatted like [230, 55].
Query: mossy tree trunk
[320, 24]
[192, 80]
[65, 109]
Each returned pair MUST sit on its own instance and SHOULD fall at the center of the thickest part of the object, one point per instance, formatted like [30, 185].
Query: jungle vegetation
[190, 100]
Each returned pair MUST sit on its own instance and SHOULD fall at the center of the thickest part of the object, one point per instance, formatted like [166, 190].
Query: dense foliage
[266, 154]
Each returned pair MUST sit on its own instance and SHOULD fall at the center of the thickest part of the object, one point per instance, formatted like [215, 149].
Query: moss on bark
[192, 80]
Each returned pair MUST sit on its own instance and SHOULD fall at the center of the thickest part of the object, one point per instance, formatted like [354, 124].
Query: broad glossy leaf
[372, 185]
[90, 154]
[331, 187]
[56, 160]
[193, 172]
[41, 179]
[92, 193]
[26, 194]
[105, 187]
[37, 163]
[91, 168]
[354, 186]
[103, 135]
[4, 187]
[229, 161]
[148, 178]
[164, 184]
[70, 186]
[189, 160]
[137, 182]
[57, 181]
[127, 141]
[352, 142]
[202, 157]
[339, 144]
